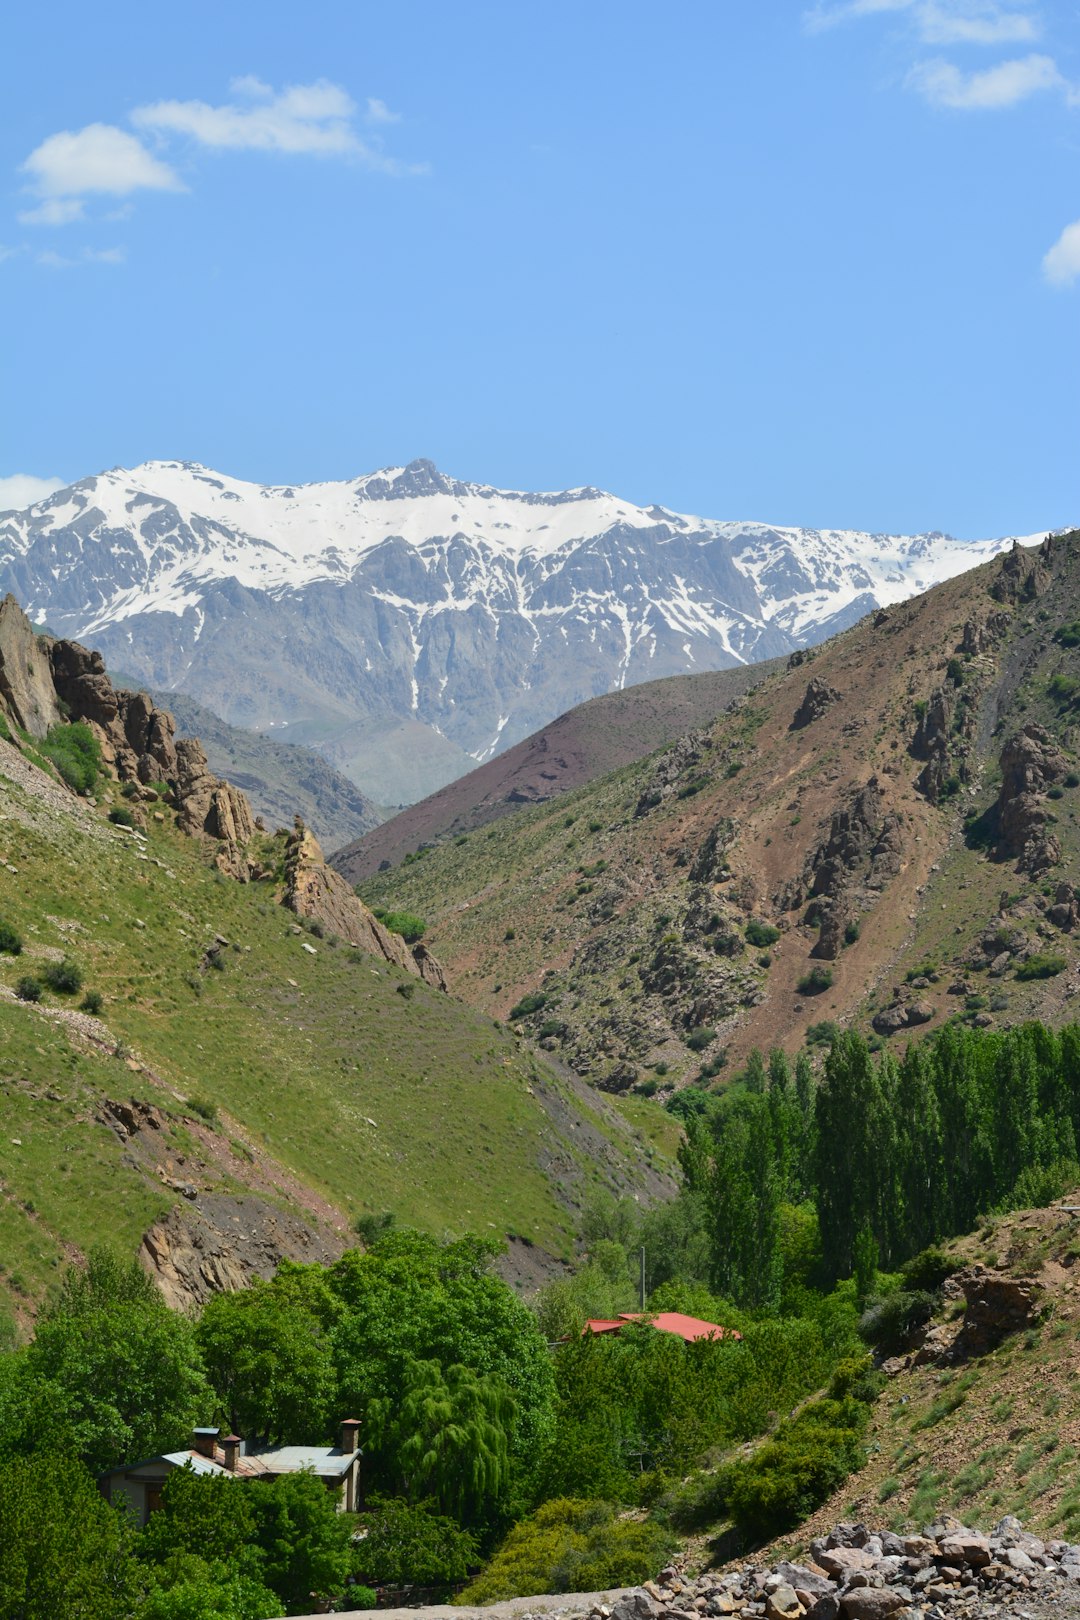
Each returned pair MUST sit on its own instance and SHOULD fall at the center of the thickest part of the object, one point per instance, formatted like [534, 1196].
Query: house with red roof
[687, 1328]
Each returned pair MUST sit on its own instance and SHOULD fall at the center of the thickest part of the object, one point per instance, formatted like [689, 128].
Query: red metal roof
[688, 1328]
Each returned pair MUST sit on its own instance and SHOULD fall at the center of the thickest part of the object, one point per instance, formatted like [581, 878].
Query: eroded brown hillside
[902, 799]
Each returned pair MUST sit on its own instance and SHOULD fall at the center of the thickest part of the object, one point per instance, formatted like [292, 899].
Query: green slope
[367, 1088]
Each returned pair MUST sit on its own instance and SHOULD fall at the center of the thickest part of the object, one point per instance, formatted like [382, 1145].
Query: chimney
[203, 1442]
[350, 1434]
[231, 1447]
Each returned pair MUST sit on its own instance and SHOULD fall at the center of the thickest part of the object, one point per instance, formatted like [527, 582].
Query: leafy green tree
[121, 1371]
[571, 1546]
[191, 1588]
[268, 1353]
[410, 1297]
[205, 1514]
[444, 1439]
[306, 1544]
[63, 1550]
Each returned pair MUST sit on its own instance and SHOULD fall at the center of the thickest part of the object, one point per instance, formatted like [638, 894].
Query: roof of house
[688, 1328]
[326, 1461]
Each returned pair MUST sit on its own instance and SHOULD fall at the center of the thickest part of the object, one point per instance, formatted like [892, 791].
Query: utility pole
[643, 1279]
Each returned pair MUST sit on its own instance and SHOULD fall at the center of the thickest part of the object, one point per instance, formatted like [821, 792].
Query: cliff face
[44, 681]
[315, 891]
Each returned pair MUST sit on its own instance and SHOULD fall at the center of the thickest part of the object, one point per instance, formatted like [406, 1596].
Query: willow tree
[446, 1440]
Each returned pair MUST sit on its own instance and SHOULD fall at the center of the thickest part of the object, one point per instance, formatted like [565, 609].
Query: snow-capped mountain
[411, 625]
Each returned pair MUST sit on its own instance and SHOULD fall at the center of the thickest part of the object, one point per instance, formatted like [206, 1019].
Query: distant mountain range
[410, 626]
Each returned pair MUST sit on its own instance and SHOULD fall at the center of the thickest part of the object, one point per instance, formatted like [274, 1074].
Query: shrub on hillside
[817, 980]
[571, 1546]
[928, 1269]
[1041, 966]
[92, 1003]
[65, 978]
[783, 1482]
[121, 816]
[28, 988]
[75, 752]
[891, 1320]
[10, 941]
[701, 1037]
[760, 933]
[528, 1004]
[406, 923]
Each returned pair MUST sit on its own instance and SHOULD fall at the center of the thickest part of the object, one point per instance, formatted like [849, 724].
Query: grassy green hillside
[326, 1080]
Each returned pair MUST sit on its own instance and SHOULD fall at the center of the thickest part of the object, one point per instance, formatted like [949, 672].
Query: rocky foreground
[858, 1574]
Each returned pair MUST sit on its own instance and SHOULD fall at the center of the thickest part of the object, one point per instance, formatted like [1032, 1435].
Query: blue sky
[815, 263]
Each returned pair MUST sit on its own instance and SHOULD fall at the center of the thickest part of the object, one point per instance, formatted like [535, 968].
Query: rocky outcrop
[903, 1014]
[1022, 574]
[994, 1306]
[209, 806]
[860, 855]
[315, 891]
[27, 694]
[981, 635]
[816, 699]
[1031, 762]
[136, 737]
[212, 1243]
[671, 770]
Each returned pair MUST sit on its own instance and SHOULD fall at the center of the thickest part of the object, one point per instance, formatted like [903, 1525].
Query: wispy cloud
[313, 119]
[936, 22]
[1003, 85]
[23, 489]
[379, 113]
[1061, 265]
[51, 260]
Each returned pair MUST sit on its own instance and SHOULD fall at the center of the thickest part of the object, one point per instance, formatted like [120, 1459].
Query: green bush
[1041, 966]
[851, 932]
[406, 923]
[786, 1479]
[92, 1002]
[28, 988]
[529, 1004]
[205, 1107]
[75, 752]
[817, 980]
[406, 1545]
[761, 933]
[1069, 634]
[890, 1319]
[63, 977]
[928, 1269]
[121, 816]
[701, 1037]
[10, 941]
[571, 1546]
[823, 1034]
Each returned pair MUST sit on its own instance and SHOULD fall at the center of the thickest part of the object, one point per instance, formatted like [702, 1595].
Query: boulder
[816, 699]
[871, 1603]
[783, 1604]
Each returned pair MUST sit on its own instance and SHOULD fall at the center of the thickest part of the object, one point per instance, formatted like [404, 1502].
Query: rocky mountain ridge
[410, 625]
[884, 831]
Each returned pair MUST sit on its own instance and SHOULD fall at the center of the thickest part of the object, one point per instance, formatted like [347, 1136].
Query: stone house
[337, 1466]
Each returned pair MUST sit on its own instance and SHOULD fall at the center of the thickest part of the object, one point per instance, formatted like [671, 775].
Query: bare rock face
[207, 805]
[981, 635]
[213, 1244]
[860, 855]
[995, 1305]
[816, 699]
[26, 688]
[1031, 762]
[314, 890]
[1022, 575]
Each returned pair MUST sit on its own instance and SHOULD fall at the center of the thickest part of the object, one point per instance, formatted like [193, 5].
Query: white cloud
[65, 261]
[99, 158]
[1061, 265]
[23, 489]
[54, 211]
[945, 85]
[379, 113]
[315, 119]
[937, 22]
